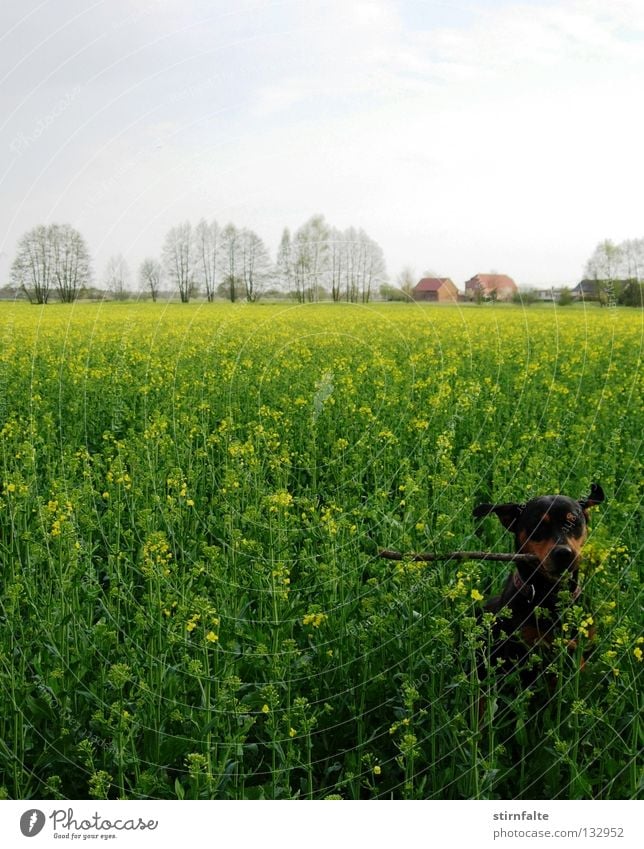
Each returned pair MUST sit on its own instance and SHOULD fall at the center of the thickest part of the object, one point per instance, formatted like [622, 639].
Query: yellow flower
[314, 619]
[265, 709]
[476, 595]
[638, 653]
[377, 770]
[292, 732]
[212, 637]
[193, 622]
[282, 499]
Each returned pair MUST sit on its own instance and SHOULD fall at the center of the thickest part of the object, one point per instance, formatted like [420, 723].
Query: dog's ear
[508, 513]
[596, 497]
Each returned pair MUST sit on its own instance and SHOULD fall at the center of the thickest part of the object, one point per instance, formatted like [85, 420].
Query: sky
[464, 137]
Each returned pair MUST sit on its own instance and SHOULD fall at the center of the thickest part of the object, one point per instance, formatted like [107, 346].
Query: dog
[552, 528]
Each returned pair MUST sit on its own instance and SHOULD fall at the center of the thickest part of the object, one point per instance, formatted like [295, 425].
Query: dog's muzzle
[562, 557]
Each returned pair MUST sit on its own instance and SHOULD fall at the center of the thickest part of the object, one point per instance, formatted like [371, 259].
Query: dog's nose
[562, 556]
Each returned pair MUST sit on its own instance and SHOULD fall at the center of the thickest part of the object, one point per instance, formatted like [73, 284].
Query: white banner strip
[321, 824]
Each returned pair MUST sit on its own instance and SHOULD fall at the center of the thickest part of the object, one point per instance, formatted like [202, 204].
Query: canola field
[192, 498]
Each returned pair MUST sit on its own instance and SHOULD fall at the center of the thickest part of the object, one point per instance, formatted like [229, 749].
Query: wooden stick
[388, 554]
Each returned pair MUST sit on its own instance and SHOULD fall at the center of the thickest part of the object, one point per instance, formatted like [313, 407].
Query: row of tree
[316, 263]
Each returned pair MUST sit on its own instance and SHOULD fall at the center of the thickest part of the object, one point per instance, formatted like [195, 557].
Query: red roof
[431, 284]
[488, 282]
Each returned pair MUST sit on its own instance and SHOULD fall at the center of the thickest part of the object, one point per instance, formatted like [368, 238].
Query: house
[604, 291]
[547, 294]
[435, 289]
[587, 290]
[491, 287]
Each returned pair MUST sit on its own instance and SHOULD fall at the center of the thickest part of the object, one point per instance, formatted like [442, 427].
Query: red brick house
[436, 289]
[487, 286]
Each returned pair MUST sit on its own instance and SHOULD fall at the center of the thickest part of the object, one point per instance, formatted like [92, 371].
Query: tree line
[317, 262]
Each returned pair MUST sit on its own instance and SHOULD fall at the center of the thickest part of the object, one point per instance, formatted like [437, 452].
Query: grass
[191, 498]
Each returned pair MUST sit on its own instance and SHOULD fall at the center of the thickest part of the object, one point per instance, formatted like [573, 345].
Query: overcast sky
[464, 137]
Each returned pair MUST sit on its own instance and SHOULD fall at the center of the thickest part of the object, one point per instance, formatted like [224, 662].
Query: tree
[311, 258]
[632, 295]
[178, 260]
[207, 246]
[604, 264]
[71, 261]
[150, 274]
[51, 257]
[337, 260]
[284, 264]
[565, 297]
[406, 280]
[375, 271]
[230, 263]
[117, 277]
[632, 256]
[525, 298]
[255, 264]
[477, 294]
[32, 269]
[614, 268]
[389, 292]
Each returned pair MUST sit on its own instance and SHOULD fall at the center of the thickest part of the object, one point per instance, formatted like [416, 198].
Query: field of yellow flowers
[191, 502]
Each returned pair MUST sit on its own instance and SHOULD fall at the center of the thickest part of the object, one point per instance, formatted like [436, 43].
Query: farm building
[600, 290]
[439, 289]
[488, 286]
[551, 294]
[588, 290]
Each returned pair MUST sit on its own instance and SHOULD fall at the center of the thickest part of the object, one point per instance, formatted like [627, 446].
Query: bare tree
[207, 247]
[71, 261]
[284, 263]
[337, 259]
[604, 263]
[32, 269]
[406, 280]
[230, 263]
[48, 257]
[117, 277]
[632, 255]
[375, 272]
[178, 259]
[150, 274]
[353, 264]
[311, 258]
[255, 264]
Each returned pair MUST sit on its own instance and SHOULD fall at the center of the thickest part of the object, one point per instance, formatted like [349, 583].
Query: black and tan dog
[553, 528]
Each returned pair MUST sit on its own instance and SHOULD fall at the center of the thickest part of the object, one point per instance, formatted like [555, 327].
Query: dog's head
[552, 527]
